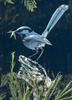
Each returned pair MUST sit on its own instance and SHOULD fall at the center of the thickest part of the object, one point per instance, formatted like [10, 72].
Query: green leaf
[9, 1]
[0, 98]
[30, 4]
[12, 61]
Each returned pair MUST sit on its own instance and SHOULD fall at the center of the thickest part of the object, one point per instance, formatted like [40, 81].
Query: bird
[35, 41]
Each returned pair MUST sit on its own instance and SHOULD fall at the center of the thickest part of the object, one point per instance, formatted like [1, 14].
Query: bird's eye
[23, 35]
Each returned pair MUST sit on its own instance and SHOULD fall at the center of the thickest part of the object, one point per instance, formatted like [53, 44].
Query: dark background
[56, 58]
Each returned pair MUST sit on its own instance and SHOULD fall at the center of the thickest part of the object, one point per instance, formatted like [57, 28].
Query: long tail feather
[54, 19]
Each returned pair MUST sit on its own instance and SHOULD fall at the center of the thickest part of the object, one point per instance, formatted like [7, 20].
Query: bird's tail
[54, 19]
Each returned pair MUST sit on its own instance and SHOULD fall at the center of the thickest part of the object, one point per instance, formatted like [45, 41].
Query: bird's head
[22, 31]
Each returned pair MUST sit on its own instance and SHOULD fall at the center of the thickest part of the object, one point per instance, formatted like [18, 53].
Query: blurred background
[56, 58]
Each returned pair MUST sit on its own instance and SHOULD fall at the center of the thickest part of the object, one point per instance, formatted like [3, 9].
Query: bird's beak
[13, 33]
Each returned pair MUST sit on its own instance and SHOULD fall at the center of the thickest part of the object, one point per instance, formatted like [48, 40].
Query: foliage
[12, 61]
[0, 98]
[17, 89]
[14, 88]
[65, 93]
[29, 4]
[7, 1]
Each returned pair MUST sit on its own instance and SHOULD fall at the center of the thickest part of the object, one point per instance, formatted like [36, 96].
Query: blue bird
[35, 41]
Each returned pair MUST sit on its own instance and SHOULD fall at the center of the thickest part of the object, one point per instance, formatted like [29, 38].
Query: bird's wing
[32, 33]
[34, 37]
[38, 39]
[54, 19]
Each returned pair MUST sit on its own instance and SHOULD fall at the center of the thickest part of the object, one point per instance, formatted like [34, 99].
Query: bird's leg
[42, 50]
[34, 54]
